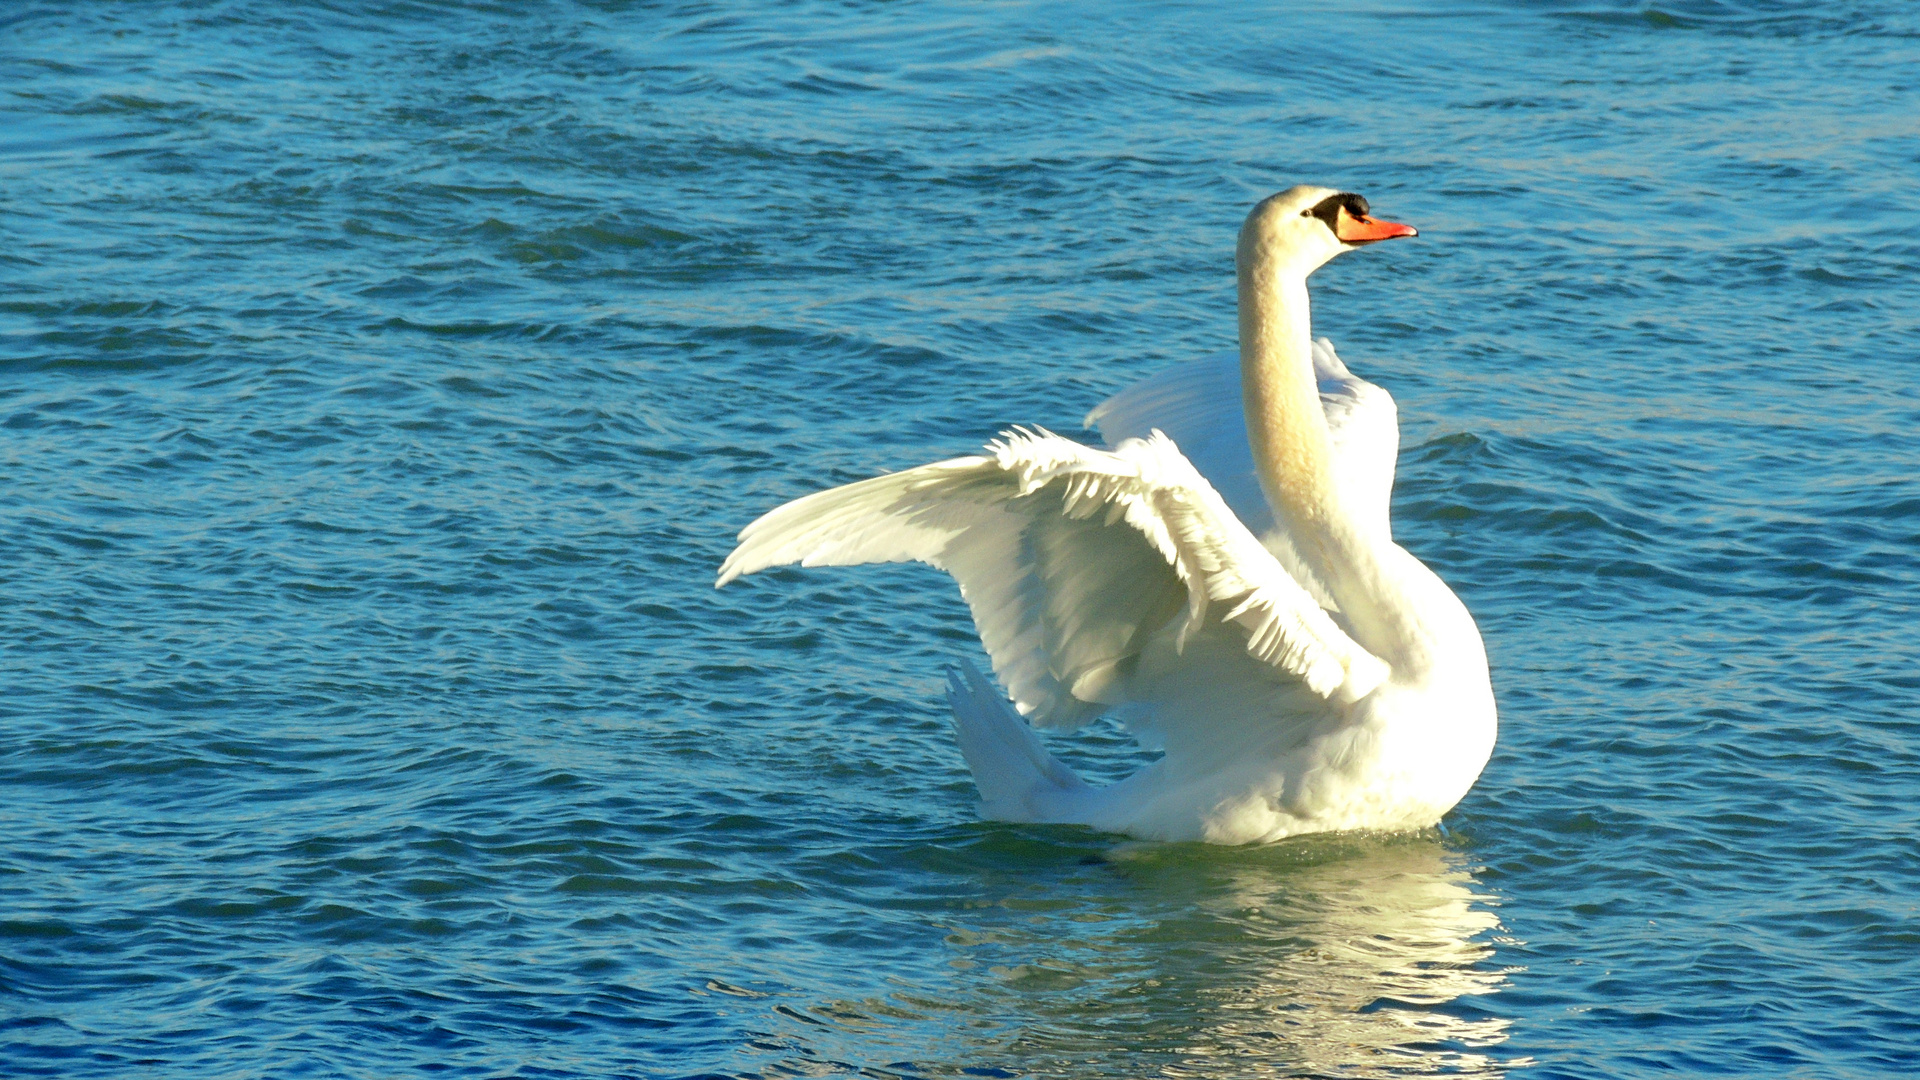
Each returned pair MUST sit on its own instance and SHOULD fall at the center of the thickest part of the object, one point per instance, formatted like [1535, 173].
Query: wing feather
[1072, 559]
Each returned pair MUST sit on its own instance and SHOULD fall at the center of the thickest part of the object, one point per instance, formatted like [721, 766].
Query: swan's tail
[1017, 778]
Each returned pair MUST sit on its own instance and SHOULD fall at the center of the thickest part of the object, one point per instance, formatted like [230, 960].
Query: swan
[1222, 578]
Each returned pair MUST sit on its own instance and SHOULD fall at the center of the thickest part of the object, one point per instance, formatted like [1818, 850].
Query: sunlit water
[384, 383]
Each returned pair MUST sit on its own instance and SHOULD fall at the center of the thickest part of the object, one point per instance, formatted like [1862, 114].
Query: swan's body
[1222, 577]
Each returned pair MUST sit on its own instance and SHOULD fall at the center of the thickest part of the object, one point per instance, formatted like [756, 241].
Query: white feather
[1065, 595]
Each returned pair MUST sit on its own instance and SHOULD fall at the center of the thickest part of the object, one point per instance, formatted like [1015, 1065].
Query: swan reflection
[1338, 964]
[1337, 956]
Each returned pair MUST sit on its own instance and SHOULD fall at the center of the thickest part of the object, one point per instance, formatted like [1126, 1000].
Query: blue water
[381, 385]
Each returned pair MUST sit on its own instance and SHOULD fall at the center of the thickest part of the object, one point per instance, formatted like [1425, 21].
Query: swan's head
[1299, 229]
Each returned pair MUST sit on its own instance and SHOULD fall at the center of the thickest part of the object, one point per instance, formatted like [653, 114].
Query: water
[383, 384]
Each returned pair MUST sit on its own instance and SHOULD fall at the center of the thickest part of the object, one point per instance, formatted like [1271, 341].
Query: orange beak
[1357, 229]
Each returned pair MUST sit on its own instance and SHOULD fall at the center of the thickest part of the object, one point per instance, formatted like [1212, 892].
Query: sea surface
[381, 385]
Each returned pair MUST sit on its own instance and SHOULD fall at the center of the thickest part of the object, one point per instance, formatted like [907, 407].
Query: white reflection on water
[1341, 957]
[1341, 966]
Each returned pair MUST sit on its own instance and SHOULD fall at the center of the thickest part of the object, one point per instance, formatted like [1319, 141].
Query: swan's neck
[1393, 606]
[1285, 425]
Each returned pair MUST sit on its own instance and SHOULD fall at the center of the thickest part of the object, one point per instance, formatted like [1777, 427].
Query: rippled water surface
[381, 384]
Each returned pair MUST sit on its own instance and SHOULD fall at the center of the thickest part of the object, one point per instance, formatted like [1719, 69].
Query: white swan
[1241, 606]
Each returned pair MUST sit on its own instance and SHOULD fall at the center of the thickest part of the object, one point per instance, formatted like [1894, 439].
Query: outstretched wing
[1072, 560]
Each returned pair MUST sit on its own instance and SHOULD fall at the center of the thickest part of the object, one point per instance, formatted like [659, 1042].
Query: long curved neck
[1293, 453]
[1285, 426]
[1287, 432]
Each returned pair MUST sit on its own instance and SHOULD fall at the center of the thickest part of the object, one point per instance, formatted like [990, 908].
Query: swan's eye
[1328, 211]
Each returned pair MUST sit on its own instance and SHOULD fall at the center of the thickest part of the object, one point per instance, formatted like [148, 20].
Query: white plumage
[1299, 669]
